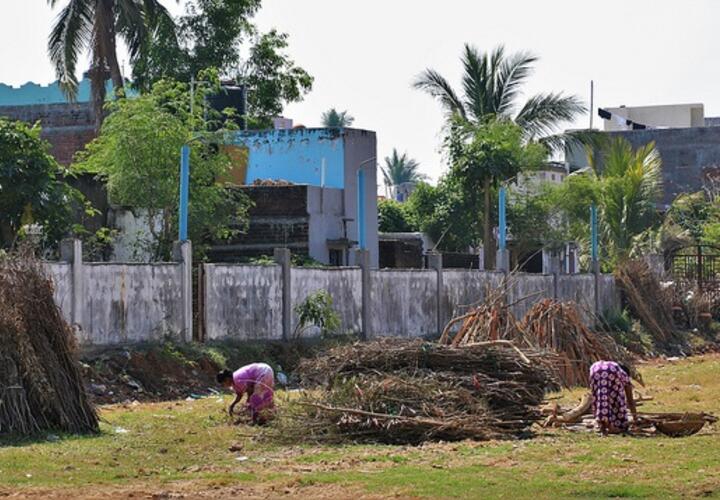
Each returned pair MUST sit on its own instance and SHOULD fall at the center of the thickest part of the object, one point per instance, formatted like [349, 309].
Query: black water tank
[231, 96]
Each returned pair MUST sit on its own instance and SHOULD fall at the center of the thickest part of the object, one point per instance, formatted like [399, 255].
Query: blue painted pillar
[361, 208]
[502, 236]
[184, 191]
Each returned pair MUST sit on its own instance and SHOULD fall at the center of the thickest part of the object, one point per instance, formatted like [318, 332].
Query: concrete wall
[689, 156]
[61, 275]
[403, 303]
[343, 284]
[122, 303]
[528, 289]
[243, 302]
[463, 288]
[361, 153]
[127, 303]
[326, 210]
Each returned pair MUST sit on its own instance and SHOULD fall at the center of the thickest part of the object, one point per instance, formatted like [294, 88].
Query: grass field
[184, 448]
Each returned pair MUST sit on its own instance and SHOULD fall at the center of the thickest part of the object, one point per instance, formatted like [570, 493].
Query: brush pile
[408, 392]
[40, 383]
[548, 325]
[648, 301]
[558, 326]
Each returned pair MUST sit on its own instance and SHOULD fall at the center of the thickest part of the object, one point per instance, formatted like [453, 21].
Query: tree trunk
[488, 237]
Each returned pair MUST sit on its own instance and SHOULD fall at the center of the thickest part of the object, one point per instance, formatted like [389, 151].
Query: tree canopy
[138, 154]
[221, 35]
[399, 169]
[32, 189]
[333, 118]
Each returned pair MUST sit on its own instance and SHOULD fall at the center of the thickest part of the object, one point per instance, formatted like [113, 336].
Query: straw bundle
[40, 383]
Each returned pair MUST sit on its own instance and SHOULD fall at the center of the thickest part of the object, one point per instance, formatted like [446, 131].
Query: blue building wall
[33, 93]
[295, 155]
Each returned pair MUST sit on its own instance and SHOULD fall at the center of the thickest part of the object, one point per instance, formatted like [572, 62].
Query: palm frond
[132, 25]
[557, 143]
[510, 76]
[433, 83]
[400, 169]
[542, 114]
[475, 81]
[70, 35]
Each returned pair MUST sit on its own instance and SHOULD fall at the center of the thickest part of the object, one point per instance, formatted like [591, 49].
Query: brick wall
[67, 127]
[279, 218]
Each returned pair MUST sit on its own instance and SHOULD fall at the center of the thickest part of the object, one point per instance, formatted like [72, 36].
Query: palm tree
[491, 88]
[335, 119]
[630, 185]
[95, 25]
[400, 169]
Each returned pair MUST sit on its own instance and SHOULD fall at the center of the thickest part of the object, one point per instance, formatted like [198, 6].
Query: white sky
[364, 55]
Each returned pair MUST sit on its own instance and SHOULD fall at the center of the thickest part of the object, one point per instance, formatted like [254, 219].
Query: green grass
[185, 445]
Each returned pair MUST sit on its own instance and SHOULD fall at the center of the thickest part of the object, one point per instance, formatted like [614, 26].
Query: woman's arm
[238, 397]
[630, 400]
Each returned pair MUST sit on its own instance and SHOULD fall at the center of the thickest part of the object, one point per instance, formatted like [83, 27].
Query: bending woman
[612, 395]
[257, 381]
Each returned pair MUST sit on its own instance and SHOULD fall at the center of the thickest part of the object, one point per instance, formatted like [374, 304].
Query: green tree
[400, 169]
[31, 187]
[214, 34]
[443, 212]
[138, 153]
[492, 85]
[630, 186]
[95, 25]
[393, 217]
[333, 118]
[484, 155]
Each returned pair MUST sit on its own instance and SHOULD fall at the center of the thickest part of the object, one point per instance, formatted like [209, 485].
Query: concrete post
[555, 266]
[182, 253]
[71, 251]
[435, 262]
[502, 260]
[363, 259]
[282, 257]
[596, 276]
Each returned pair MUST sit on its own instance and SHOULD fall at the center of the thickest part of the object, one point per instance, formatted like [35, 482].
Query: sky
[365, 55]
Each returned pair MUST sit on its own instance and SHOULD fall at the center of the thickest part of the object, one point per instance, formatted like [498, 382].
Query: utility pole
[592, 102]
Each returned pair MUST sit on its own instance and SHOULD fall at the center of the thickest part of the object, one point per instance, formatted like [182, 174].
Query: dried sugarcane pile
[489, 321]
[559, 327]
[648, 301]
[548, 325]
[40, 382]
[399, 391]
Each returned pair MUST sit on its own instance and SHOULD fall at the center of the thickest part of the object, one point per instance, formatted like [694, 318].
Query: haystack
[400, 391]
[548, 325]
[559, 327]
[40, 383]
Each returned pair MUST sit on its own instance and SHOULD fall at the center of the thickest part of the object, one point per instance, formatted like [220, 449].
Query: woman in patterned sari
[612, 396]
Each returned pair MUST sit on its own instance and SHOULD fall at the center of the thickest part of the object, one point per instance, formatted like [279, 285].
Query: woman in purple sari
[257, 381]
[612, 396]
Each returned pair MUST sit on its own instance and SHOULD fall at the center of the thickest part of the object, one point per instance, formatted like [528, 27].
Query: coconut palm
[95, 25]
[400, 169]
[491, 88]
[336, 119]
[630, 185]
